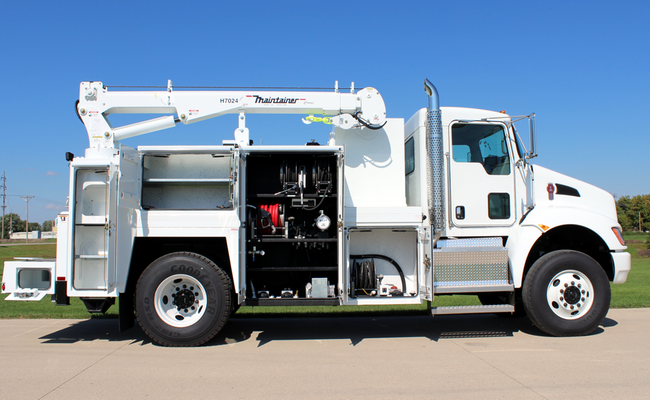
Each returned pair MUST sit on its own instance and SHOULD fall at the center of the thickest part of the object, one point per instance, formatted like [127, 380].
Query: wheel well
[146, 250]
[572, 237]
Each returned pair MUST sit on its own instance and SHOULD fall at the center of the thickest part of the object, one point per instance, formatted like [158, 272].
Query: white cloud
[52, 173]
[53, 206]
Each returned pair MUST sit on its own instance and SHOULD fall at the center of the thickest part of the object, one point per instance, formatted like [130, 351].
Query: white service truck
[385, 213]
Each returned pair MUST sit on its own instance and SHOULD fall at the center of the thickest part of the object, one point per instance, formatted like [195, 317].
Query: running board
[473, 287]
[490, 308]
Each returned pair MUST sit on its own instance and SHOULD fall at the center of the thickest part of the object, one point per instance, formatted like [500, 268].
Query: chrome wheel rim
[570, 294]
[180, 300]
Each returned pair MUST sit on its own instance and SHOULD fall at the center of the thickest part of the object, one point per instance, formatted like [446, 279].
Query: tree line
[634, 212]
[13, 223]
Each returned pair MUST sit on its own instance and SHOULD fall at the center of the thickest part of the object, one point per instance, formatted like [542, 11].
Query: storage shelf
[186, 181]
[88, 256]
[330, 301]
[284, 240]
[293, 269]
[289, 196]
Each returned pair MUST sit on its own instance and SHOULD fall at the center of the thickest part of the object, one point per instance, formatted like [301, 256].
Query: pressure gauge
[323, 221]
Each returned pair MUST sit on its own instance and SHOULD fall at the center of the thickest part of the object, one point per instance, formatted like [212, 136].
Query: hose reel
[295, 180]
[364, 275]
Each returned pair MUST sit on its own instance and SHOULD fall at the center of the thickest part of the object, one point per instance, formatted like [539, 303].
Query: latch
[460, 212]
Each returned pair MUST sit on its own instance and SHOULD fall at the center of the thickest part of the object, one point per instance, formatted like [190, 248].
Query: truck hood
[553, 189]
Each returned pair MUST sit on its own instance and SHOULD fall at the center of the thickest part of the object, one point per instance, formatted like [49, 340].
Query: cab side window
[481, 143]
[409, 156]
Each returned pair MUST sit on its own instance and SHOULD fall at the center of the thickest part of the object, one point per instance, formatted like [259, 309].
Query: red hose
[274, 210]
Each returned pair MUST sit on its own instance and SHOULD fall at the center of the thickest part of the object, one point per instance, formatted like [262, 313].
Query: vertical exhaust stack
[435, 159]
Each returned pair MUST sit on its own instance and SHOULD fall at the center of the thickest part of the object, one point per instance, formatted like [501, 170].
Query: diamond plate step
[490, 308]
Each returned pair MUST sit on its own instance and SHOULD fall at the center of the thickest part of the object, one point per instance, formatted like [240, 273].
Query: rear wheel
[183, 299]
[566, 293]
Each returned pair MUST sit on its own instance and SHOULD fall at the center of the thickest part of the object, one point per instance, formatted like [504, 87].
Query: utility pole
[4, 196]
[27, 199]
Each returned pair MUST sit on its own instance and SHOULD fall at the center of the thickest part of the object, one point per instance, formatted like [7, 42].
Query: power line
[27, 199]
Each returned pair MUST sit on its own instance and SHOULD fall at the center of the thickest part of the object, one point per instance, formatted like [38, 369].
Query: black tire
[566, 293]
[183, 299]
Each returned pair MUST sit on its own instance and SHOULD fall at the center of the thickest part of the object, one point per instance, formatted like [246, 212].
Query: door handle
[460, 212]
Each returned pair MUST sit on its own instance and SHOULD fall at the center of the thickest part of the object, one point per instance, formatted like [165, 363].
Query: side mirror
[532, 129]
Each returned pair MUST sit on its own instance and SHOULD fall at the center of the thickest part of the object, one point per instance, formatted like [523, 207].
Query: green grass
[634, 293]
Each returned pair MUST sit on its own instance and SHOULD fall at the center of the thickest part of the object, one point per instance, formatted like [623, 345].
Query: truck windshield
[521, 150]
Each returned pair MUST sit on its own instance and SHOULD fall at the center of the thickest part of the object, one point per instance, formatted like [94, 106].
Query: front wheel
[183, 299]
[566, 293]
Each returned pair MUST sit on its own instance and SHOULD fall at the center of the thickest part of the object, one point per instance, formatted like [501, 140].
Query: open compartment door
[94, 233]
[28, 279]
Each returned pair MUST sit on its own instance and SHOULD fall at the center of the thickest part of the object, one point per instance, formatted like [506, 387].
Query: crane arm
[362, 109]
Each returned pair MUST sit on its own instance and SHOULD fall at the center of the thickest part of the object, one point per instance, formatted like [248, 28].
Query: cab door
[482, 184]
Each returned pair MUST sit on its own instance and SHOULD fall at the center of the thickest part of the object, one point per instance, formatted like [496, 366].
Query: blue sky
[582, 66]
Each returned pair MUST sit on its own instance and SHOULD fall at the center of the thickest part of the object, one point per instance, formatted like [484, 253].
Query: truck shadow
[354, 329]
[95, 329]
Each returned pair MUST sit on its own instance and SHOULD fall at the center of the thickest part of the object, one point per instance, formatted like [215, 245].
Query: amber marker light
[619, 236]
[544, 227]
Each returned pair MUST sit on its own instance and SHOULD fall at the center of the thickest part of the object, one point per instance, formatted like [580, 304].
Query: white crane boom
[96, 102]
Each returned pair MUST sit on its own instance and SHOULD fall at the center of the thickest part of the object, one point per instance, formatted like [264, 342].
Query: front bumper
[622, 265]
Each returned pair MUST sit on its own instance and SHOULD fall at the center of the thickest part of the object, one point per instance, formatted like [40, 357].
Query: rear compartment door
[94, 233]
[128, 200]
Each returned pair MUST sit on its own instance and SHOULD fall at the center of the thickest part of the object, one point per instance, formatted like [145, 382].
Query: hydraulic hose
[366, 123]
[390, 260]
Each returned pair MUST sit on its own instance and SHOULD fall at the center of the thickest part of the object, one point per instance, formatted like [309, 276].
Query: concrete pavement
[455, 357]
